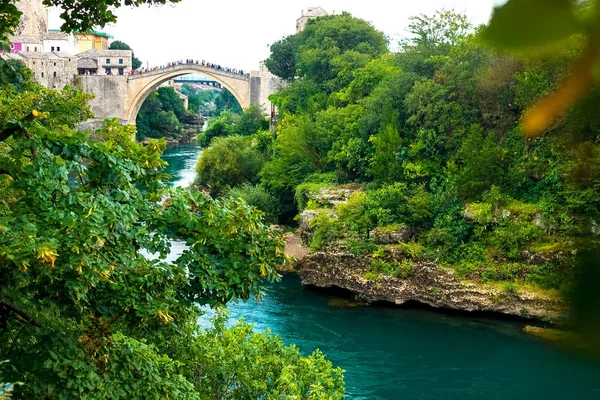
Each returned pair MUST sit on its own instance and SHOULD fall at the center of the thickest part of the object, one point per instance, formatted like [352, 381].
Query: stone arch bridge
[123, 96]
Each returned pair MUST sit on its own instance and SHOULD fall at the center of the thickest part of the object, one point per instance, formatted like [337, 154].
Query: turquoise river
[411, 353]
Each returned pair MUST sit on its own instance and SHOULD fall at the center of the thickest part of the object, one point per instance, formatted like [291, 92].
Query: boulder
[390, 234]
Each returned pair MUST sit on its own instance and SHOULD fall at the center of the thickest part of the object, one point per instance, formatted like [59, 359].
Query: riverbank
[426, 283]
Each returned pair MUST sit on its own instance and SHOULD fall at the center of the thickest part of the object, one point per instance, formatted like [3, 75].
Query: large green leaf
[523, 24]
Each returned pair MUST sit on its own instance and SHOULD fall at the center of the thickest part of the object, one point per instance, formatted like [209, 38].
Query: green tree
[119, 45]
[251, 121]
[229, 162]
[282, 61]
[83, 313]
[226, 101]
[220, 126]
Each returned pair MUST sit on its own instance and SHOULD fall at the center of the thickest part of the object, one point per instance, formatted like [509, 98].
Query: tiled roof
[25, 39]
[106, 53]
[35, 55]
[54, 35]
[87, 63]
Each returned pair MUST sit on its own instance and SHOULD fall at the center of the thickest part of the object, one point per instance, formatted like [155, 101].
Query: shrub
[257, 197]
[325, 231]
[412, 250]
[352, 214]
[481, 213]
[510, 238]
[229, 162]
[359, 247]
[386, 205]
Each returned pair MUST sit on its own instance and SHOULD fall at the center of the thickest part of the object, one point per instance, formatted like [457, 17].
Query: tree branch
[5, 134]
[21, 313]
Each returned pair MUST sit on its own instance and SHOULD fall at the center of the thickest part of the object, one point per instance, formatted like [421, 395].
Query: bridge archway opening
[156, 80]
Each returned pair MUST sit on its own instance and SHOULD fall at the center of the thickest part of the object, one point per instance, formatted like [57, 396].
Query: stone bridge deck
[185, 67]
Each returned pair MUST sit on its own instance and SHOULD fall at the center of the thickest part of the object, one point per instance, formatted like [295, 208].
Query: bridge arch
[141, 85]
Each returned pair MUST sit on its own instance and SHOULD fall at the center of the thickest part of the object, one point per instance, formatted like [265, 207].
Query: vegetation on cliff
[434, 134]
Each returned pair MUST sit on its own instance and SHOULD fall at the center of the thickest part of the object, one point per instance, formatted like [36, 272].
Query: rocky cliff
[428, 284]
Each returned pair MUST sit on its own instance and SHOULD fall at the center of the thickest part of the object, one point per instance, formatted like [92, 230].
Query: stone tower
[34, 21]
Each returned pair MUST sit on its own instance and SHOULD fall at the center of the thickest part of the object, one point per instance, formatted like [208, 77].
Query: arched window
[55, 74]
[42, 74]
[35, 49]
[27, 48]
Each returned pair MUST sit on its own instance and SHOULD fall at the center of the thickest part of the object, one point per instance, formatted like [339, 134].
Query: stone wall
[34, 21]
[110, 94]
[263, 84]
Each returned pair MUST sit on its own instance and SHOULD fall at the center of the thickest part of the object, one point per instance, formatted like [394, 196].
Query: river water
[404, 353]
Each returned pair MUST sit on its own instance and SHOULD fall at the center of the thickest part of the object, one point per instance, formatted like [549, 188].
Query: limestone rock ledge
[429, 284]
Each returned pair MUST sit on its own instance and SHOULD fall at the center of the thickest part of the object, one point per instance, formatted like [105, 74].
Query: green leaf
[523, 24]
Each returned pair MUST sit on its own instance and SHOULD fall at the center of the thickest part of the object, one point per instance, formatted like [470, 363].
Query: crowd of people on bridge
[195, 62]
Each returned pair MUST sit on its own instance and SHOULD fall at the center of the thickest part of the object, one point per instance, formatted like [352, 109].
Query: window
[42, 74]
[55, 74]
[35, 49]
[12, 45]
[120, 61]
[27, 48]
[107, 71]
[108, 60]
[58, 48]
[121, 71]
[55, 64]
[52, 48]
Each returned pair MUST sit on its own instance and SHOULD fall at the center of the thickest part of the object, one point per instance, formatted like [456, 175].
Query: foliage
[200, 102]
[163, 115]
[81, 15]
[251, 121]
[220, 126]
[229, 162]
[83, 313]
[225, 101]
[119, 45]
[257, 197]
[326, 230]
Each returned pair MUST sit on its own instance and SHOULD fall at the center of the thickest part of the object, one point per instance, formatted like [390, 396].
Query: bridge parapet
[184, 67]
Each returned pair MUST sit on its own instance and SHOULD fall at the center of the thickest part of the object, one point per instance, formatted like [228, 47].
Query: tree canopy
[89, 305]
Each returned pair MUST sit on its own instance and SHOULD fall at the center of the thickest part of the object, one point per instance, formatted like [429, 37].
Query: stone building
[312, 12]
[52, 70]
[105, 62]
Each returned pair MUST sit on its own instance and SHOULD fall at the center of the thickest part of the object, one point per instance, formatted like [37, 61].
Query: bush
[353, 216]
[229, 162]
[220, 126]
[257, 197]
[510, 238]
[386, 205]
[325, 231]
[251, 121]
[480, 213]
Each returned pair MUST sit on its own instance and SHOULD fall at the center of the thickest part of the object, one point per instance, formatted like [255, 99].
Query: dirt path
[294, 246]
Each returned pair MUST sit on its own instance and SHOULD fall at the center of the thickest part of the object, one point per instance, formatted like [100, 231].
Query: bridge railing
[162, 69]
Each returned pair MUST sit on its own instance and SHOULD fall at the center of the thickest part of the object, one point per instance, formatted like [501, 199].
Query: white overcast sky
[237, 33]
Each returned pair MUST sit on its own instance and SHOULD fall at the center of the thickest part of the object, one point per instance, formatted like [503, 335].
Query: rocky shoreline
[428, 284]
